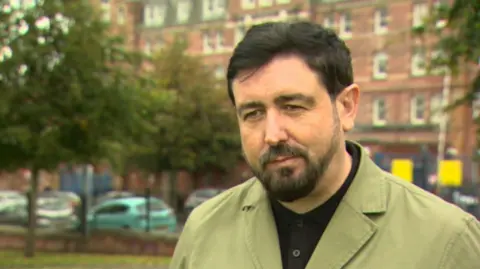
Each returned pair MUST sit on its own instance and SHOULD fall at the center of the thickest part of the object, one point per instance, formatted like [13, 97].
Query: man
[317, 201]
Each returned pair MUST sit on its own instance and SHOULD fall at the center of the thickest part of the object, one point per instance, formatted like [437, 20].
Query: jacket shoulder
[222, 204]
[428, 204]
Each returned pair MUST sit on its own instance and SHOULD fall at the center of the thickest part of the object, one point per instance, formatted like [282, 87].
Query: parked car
[8, 198]
[56, 213]
[131, 213]
[199, 196]
[72, 198]
[112, 195]
[52, 213]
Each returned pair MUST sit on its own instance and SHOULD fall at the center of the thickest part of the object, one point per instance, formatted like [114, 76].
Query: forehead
[283, 75]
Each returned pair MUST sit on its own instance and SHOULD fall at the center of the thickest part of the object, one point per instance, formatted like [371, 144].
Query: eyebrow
[280, 100]
[249, 105]
[298, 97]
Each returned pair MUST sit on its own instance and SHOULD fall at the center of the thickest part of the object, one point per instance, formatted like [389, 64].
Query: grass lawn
[16, 259]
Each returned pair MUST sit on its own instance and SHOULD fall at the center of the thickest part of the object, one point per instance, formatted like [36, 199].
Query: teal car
[131, 213]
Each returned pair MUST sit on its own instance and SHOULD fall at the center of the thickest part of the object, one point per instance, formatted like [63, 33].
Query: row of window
[155, 14]
[107, 12]
[252, 4]
[380, 20]
[213, 42]
[418, 110]
[418, 63]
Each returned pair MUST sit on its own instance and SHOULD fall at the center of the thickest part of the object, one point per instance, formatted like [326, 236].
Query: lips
[281, 159]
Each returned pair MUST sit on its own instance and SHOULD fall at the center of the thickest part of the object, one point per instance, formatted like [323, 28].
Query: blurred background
[114, 115]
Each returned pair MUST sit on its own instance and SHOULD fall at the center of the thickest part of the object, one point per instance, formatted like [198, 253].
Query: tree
[69, 91]
[197, 130]
[456, 28]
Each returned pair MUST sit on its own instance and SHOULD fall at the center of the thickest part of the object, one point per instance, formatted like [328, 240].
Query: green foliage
[456, 28]
[197, 130]
[69, 91]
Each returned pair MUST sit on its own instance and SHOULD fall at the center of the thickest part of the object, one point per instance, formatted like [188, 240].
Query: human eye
[252, 115]
[292, 108]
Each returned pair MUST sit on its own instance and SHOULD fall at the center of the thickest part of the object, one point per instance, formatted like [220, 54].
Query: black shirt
[299, 233]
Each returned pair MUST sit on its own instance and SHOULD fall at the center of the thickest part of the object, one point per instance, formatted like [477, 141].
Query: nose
[275, 132]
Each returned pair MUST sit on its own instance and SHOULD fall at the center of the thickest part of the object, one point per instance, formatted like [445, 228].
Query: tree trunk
[173, 188]
[32, 214]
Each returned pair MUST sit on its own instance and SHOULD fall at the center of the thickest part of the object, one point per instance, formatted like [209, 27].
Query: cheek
[252, 143]
[314, 133]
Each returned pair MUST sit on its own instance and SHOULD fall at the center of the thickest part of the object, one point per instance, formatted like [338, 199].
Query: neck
[327, 186]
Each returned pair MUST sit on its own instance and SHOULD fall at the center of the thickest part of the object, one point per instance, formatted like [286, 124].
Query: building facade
[401, 101]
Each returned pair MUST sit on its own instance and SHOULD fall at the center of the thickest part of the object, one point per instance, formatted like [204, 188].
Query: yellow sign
[450, 173]
[403, 168]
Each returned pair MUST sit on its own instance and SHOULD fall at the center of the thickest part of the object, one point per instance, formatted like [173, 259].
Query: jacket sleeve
[463, 252]
[182, 254]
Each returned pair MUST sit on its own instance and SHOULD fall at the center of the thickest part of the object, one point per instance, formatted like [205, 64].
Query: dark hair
[323, 51]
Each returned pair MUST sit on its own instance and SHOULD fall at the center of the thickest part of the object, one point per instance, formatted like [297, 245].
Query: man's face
[289, 126]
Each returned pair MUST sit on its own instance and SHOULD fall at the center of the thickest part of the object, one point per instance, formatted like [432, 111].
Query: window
[265, 3]
[329, 21]
[438, 59]
[379, 111]
[420, 12]
[183, 11]
[213, 9]
[476, 105]
[248, 4]
[345, 25]
[381, 21]
[153, 15]
[417, 109]
[219, 40]
[239, 33]
[121, 15]
[112, 209]
[418, 66]
[159, 15]
[207, 43]
[148, 15]
[380, 62]
[106, 11]
[436, 107]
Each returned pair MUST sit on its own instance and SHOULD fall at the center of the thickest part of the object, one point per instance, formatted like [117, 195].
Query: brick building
[400, 101]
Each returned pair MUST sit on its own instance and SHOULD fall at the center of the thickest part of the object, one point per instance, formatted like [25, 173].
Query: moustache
[280, 150]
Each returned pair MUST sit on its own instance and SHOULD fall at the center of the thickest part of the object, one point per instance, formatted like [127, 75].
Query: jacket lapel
[260, 230]
[351, 228]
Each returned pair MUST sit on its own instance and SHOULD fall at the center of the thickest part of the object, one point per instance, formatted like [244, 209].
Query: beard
[282, 184]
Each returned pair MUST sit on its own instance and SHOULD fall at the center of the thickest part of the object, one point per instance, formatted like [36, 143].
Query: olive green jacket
[383, 222]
